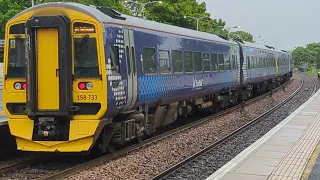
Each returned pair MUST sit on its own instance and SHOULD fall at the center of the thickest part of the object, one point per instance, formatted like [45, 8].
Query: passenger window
[221, 62]
[114, 57]
[188, 67]
[252, 63]
[248, 62]
[197, 62]
[266, 64]
[177, 61]
[206, 62]
[214, 62]
[270, 62]
[235, 63]
[149, 61]
[232, 62]
[227, 64]
[164, 61]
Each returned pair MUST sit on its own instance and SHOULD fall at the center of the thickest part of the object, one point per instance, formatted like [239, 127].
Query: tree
[8, 9]
[310, 54]
[173, 11]
[245, 36]
[298, 56]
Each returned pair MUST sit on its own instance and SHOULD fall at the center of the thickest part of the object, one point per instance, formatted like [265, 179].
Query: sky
[284, 24]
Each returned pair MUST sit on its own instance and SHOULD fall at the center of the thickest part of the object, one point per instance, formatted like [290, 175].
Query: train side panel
[163, 80]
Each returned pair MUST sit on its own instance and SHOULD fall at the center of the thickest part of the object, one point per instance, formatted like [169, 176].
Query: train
[81, 77]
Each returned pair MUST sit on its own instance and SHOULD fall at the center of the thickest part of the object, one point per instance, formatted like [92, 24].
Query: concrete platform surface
[283, 152]
[3, 121]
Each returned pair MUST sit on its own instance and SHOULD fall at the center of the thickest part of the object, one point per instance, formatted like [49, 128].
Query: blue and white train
[120, 77]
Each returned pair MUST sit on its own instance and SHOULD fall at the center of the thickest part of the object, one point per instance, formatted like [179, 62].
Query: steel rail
[20, 165]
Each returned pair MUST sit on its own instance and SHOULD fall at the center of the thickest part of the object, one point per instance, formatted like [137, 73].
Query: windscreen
[85, 57]
[16, 62]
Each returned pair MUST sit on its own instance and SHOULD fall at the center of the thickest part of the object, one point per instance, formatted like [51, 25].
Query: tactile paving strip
[293, 164]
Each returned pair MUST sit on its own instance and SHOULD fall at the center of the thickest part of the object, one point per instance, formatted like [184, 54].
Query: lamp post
[198, 19]
[228, 29]
[142, 5]
[258, 37]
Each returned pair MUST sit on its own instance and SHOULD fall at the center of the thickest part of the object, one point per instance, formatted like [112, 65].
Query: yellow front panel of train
[48, 64]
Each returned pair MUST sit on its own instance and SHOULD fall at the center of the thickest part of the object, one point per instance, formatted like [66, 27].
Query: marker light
[17, 86]
[24, 86]
[81, 86]
[89, 85]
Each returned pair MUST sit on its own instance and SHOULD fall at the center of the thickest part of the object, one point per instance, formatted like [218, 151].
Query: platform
[3, 117]
[282, 153]
[4, 121]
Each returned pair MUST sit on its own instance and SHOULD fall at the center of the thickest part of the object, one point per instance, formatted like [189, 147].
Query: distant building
[305, 65]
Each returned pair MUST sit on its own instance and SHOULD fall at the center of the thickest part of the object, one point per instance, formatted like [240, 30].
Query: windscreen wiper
[83, 42]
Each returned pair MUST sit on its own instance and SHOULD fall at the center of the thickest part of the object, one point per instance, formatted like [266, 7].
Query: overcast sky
[284, 24]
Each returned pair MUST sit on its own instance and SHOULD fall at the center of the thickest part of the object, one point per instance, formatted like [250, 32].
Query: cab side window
[114, 57]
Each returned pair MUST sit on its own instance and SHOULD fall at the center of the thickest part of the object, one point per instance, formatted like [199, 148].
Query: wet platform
[283, 153]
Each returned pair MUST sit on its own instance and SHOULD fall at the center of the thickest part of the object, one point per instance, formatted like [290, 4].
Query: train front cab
[56, 100]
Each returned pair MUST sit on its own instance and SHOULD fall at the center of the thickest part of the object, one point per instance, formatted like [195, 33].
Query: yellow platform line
[2, 113]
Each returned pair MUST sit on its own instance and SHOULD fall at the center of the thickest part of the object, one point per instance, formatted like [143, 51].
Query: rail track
[165, 174]
[20, 162]
[74, 168]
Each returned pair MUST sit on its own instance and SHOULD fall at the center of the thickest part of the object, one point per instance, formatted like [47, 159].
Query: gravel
[148, 161]
[43, 168]
[208, 163]
[15, 160]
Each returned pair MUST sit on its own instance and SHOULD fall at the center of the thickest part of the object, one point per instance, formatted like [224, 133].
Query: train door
[49, 69]
[276, 63]
[241, 59]
[131, 68]
[234, 67]
[47, 64]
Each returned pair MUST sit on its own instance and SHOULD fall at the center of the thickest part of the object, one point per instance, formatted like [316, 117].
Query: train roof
[108, 15]
[260, 46]
[264, 47]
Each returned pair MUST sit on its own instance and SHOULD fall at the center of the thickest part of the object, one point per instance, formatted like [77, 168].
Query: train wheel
[105, 144]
